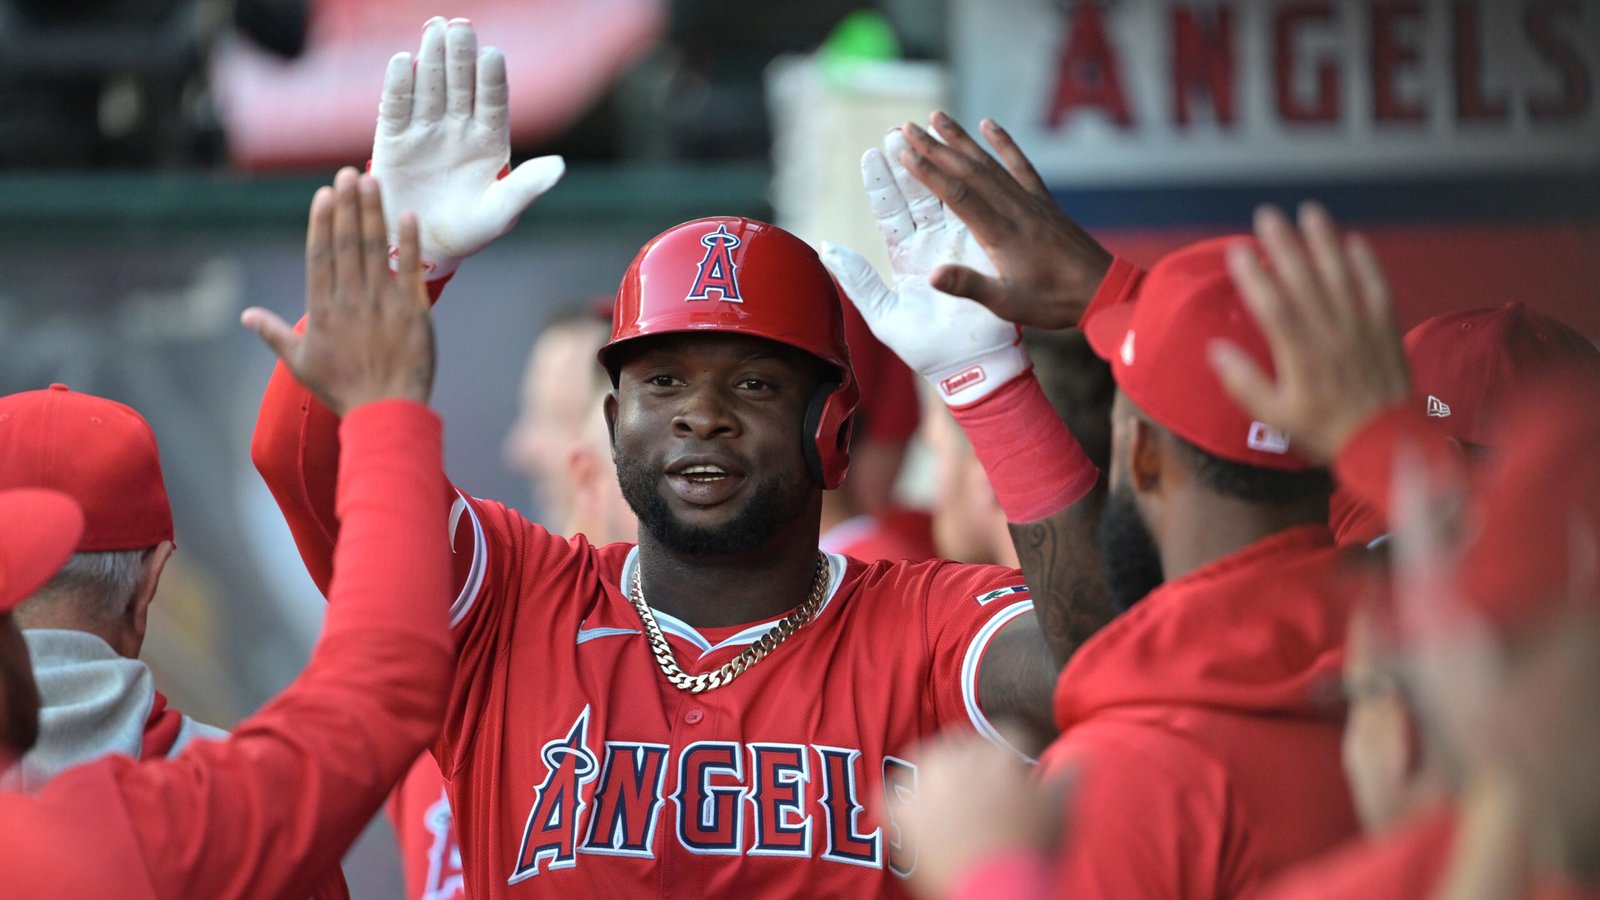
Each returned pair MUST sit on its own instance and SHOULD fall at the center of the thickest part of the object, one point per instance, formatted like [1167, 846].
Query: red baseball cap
[1464, 364]
[1157, 347]
[1537, 544]
[39, 530]
[97, 451]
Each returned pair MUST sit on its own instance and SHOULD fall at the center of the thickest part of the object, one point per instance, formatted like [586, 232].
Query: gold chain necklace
[728, 671]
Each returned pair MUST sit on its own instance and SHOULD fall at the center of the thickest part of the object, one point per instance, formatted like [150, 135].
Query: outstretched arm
[269, 811]
[975, 360]
[441, 146]
[1046, 269]
[1339, 381]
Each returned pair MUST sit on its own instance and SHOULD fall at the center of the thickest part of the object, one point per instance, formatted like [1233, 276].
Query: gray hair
[92, 588]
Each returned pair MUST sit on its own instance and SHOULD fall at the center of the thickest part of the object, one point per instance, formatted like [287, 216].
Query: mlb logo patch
[717, 271]
[1267, 439]
[991, 596]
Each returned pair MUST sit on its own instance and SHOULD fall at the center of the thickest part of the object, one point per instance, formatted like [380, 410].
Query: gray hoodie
[92, 702]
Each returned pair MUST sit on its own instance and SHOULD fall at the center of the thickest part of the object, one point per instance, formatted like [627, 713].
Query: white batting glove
[443, 139]
[963, 349]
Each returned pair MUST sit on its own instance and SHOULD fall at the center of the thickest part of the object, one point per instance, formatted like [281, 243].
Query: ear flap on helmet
[827, 430]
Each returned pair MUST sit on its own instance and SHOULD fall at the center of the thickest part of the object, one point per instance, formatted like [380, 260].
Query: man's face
[1129, 559]
[554, 406]
[19, 695]
[708, 440]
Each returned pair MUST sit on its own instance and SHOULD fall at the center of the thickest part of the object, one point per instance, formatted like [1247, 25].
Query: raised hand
[443, 141]
[1324, 307]
[974, 802]
[966, 351]
[1046, 268]
[368, 332]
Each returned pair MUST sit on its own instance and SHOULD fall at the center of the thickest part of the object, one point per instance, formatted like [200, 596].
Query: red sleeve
[517, 575]
[1364, 467]
[1119, 286]
[296, 449]
[967, 607]
[270, 811]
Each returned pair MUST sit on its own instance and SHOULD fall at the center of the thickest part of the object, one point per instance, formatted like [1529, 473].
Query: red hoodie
[1209, 755]
[1403, 864]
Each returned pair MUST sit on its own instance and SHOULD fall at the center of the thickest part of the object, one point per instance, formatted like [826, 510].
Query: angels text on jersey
[730, 799]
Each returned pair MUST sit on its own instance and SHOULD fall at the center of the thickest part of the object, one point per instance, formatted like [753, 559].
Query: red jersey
[1210, 757]
[425, 830]
[268, 812]
[576, 769]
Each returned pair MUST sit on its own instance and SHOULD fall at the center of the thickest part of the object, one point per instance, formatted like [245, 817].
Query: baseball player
[716, 710]
[1203, 750]
[1464, 365]
[268, 812]
[560, 442]
[1509, 582]
[86, 627]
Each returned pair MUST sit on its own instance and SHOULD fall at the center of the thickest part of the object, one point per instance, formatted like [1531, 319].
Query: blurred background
[157, 156]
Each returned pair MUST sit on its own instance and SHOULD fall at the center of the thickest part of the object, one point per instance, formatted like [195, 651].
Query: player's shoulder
[1137, 755]
[936, 580]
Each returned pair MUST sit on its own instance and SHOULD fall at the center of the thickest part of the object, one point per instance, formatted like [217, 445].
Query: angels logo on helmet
[718, 272]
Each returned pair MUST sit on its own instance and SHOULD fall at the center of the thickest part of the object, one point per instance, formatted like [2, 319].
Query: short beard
[1129, 560]
[20, 730]
[775, 504]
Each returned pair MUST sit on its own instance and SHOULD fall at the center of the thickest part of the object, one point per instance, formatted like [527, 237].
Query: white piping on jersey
[675, 626]
[585, 635]
[969, 675]
[480, 559]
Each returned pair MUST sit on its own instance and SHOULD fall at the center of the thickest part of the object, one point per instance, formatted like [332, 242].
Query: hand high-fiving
[1046, 268]
[368, 332]
[443, 141]
[1323, 304]
[965, 350]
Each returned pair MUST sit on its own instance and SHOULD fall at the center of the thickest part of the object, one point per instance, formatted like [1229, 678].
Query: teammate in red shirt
[1207, 759]
[268, 812]
[559, 442]
[1464, 366]
[714, 710]
[1498, 596]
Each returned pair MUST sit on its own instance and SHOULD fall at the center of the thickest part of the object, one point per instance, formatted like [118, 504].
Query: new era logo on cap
[1267, 439]
[1437, 408]
[1127, 349]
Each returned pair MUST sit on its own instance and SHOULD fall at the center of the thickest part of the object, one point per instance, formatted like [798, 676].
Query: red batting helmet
[737, 275]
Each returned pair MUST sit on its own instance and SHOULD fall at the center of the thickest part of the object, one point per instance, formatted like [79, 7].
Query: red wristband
[1120, 286]
[1034, 463]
